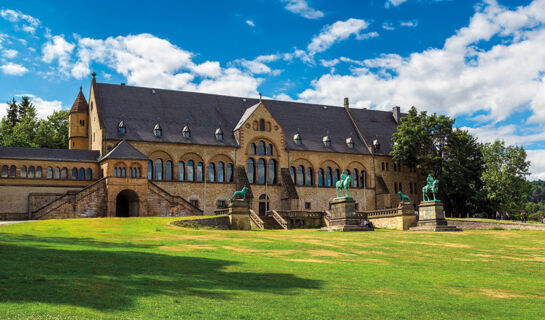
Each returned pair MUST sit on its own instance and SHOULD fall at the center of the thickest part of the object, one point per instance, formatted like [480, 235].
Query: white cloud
[394, 3]
[301, 7]
[338, 31]
[13, 69]
[537, 163]
[60, 50]
[388, 26]
[44, 108]
[9, 53]
[508, 133]
[30, 24]
[465, 76]
[409, 23]
[250, 23]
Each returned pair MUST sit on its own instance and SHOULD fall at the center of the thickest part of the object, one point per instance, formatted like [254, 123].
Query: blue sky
[482, 62]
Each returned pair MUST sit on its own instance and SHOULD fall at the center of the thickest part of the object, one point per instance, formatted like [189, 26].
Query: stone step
[271, 223]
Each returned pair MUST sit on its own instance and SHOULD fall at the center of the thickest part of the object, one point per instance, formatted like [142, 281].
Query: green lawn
[143, 268]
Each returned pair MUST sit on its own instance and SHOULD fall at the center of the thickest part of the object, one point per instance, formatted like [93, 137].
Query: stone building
[137, 151]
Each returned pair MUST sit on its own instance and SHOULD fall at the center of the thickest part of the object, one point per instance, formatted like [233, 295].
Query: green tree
[13, 112]
[23, 107]
[53, 132]
[504, 176]
[24, 132]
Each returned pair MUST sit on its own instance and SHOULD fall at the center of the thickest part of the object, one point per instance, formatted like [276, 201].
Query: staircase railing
[256, 220]
[279, 219]
[327, 218]
[172, 198]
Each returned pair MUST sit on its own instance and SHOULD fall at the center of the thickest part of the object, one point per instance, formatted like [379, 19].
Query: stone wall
[219, 222]
[38, 200]
[483, 225]
[398, 222]
[161, 203]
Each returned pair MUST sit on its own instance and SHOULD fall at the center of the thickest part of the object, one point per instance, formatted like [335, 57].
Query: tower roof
[80, 105]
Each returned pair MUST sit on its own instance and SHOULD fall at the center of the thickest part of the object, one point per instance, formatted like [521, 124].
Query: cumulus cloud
[394, 3]
[338, 31]
[537, 163]
[60, 50]
[9, 53]
[301, 7]
[44, 108]
[466, 75]
[30, 24]
[13, 69]
[250, 23]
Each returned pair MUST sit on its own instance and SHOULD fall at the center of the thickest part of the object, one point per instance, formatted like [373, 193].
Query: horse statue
[343, 183]
[241, 193]
[432, 186]
[403, 197]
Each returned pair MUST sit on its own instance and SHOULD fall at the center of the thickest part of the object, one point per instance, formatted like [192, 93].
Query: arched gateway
[126, 204]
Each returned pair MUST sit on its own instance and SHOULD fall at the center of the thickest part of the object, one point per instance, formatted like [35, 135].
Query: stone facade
[160, 190]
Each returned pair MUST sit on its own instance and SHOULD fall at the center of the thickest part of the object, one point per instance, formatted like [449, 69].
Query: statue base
[239, 215]
[431, 217]
[343, 216]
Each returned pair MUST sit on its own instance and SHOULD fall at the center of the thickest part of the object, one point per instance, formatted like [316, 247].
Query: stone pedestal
[431, 217]
[343, 216]
[239, 215]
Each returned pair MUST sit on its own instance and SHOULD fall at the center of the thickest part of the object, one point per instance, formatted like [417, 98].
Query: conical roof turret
[80, 105]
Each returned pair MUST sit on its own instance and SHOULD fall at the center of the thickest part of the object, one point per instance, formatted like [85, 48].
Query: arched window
[292, 175]
[229, 173]
[150, 170]
[363, 179]
[158, 169]
[4, 171]
[321, 177]
[89, 174]
[261, 148]
[138, 172]
[252, 148]
[181, 170]
[49, 173]
[336, 176]
[22, 174]
[355, 180]
[31, 172]
[300, 175]
[81, 175]
[261, 171]
[56, 173]
[74, 173]
[272, 171]
[261, 125]
[116, 174]
[328, 177]
[199, 171]
[38, 172]
[190, 171]
[250, 170]
[270, 150]
[12, 171]
[211, 172]
[64, 173]
[308, 178]
[221, 172]
[168, 170]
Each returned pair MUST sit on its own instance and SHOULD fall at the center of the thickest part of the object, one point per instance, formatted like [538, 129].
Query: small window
[261, 125]
[186, 132]
[221, 204]
[307, 206]
[121, 128]
[82, 123]
[158, 131]
[194, 203]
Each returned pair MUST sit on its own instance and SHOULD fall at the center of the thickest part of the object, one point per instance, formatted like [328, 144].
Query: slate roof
[80, 104]
[142, 108]
[48, 154]
[124, 150]
[379, 124]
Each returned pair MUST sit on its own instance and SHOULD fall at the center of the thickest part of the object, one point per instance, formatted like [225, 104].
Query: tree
[24, 106]
[53, 132]
[13, 112]
[504, 176]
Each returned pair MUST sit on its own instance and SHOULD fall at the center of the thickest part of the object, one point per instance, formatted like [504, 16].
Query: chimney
[396, 112]
[346, 104]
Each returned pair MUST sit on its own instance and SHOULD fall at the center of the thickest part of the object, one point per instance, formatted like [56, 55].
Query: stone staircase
[274, 221]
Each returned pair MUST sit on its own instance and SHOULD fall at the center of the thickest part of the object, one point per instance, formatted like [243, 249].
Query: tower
[78, 122]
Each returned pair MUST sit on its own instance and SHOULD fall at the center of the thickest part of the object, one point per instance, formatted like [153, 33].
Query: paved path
[3, 223]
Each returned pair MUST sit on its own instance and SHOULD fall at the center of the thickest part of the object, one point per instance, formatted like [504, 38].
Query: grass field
[143, 268]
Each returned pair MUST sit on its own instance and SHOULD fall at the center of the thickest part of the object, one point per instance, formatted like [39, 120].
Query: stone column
[239, 215]
[431, 217]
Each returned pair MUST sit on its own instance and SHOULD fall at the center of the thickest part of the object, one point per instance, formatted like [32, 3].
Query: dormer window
[376, 144]
[121, 128]
[219, 134]
[327, 141]
[158, 131]
[350, 143]
[186, 132]
[297, 139]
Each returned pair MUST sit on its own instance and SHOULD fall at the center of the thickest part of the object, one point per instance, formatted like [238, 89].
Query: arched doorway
[263, 204]
[126, 204]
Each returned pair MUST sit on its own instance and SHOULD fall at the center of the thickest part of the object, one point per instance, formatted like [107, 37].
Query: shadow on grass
[115, 277]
